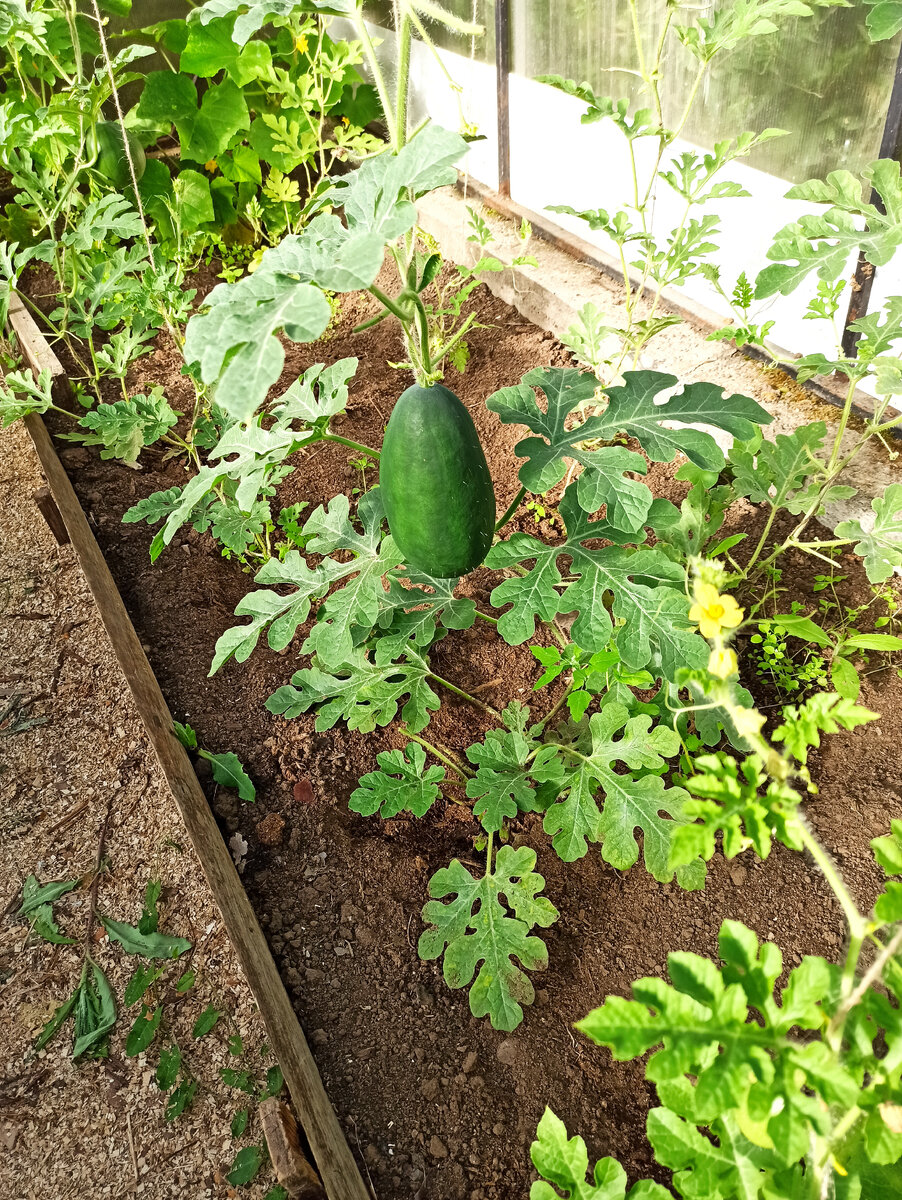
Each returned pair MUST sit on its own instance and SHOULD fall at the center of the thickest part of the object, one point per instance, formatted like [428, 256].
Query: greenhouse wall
[820, 79]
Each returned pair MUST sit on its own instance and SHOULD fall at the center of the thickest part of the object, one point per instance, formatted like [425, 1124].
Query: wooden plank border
[315, 1113]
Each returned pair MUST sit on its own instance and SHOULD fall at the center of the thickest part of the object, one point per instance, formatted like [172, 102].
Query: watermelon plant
[766, 1091]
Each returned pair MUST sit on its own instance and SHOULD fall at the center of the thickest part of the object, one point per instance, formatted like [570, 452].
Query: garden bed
[434, 1102]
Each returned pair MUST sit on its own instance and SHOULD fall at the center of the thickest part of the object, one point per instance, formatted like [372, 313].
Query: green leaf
[272, 612]
[205, 1021]
[21, 394]
[185, 982]
[888, 850]
[56, 1022]
[361, 692]
[479, 935]
[211, 48]
[565, 1162]
[845, 678]
[881, 545]
[149, 945]
[180, 1099]
[112, 216]
[502, 786]
[168, 1067]
[233, 342]
[883, 643]
[275, 1081]
[580, 772]
[710, 1055]
[193, 199]
[150, 916]
[800, 626]
[44, 925]
[253, 14]
[402, 784]
[143, 978]
[143, 1030]
[320, 393]
[725, 799]
[825, 712]
[885, 19]
[246, 1165]
[127, 426]
[778, 472]
[35, 894]
[185, 734]
[647, 588]
[238, 1079]
[228, 772]
[825, 241]
[239, 1122]
[631, 409]
[95, 1011]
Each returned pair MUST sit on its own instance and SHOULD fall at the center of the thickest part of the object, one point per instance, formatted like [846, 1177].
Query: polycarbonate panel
[819, 77]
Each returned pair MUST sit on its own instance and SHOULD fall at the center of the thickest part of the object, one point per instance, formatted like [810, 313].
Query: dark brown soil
[435, 1103]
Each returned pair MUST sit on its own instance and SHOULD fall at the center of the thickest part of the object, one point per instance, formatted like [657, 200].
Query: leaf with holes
[481, 935]
[403, 783]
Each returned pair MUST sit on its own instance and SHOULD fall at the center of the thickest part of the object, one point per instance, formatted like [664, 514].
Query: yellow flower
[212, 166]
[748, 722]
[301, 44]
[723, 663]
[837, 1166]
[345, 121]
[713, 612]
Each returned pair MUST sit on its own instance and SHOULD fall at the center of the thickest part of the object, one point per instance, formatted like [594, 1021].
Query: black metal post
[502, 72]
[863, 279]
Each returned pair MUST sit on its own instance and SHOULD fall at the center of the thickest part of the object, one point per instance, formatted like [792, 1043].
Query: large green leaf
[254, 14]
[234, 343]
[360, 692]
[482, 935]
[712, 1057]
[211, 48]
[632, 409]
[884, 19]
[583, 773]
[824, 241]
[880, 545]
[647, 588]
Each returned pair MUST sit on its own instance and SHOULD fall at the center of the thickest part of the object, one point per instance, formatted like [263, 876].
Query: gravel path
[74, 761]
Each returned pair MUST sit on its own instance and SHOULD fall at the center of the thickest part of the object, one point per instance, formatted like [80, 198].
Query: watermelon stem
[486, 708]
[513, 508]
[334, 437]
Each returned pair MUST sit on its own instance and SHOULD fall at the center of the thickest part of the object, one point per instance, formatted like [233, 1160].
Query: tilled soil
[435, 1103]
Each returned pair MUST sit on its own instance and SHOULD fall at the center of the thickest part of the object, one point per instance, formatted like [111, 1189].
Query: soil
[435, 1103]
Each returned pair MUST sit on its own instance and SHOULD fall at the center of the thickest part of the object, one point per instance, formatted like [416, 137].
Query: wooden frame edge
[334, 1161]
